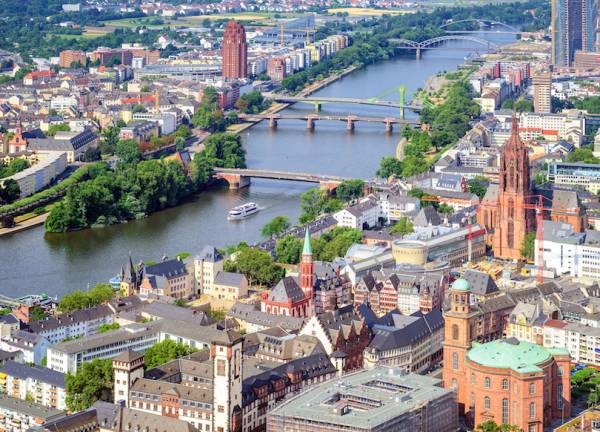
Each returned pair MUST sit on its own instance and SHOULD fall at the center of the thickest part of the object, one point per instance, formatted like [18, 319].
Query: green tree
[165, 351]
[288, 249]
[315, 202]
[110, 138]
[92, 382]
[9, 191]
[528, 246]
[103, 328]
[335, 243]
[350, 189]
[389, 166]
[275, 226]
[478, 186]
[492, 426]
[128, 151]
[76, 300]
[583, 154]
[444, 208]
[37, 314]
[60, 127]
[403, 226]
[92, 154]
[257, 265]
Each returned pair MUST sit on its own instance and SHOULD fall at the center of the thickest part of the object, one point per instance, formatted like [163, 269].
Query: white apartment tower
[226, 353]
[127, 366]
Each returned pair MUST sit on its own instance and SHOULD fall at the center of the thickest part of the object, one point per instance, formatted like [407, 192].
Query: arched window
[486, 402]
[505, 418]
[511, 208]
[472, 378]
[487, 382]
[532, 410]
[455, 331]
[454, 360]
[454, 383]
[510, 235]
[505, 386]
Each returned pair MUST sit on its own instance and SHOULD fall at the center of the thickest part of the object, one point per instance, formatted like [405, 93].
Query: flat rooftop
[364, 399]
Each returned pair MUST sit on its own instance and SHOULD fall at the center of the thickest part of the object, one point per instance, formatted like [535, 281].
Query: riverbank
[25, 225]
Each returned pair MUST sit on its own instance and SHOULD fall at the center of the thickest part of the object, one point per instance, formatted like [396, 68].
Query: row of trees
[209, 115]
[447, 122]
[93, 380]
[288, 249]
[139, 187]
[77, 300]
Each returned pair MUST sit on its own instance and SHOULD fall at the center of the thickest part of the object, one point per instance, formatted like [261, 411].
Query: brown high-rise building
[69, 58]
[542, 92]
[503, 211]
[235, 51]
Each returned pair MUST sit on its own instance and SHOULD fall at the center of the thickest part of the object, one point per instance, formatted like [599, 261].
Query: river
[34, 262]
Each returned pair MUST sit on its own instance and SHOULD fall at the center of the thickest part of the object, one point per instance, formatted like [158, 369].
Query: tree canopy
[275, 226]
[165, 351]
[403, 226]
[84, 299]
[92, 382]
[350, 189]
[257, 265]
[528, 246]
[288, 249]
[315, 202]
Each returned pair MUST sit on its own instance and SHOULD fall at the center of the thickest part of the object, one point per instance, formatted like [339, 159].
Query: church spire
[307, 250]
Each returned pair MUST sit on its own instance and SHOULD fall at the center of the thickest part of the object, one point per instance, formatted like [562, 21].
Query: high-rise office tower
[542, 92]
[235, 51]
[574, 26]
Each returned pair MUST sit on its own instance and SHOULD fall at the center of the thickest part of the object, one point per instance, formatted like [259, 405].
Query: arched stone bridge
[239, 178]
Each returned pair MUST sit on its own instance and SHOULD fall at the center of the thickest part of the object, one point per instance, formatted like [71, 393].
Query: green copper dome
[461, 285]
[510, 353]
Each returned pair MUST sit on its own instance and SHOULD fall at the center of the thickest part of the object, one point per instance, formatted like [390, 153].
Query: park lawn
[89, 33]
[258, 17]
[355, 11]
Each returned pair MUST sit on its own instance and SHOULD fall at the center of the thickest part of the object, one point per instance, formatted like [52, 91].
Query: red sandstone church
[290, 296]
[505, 380]
[506, 209]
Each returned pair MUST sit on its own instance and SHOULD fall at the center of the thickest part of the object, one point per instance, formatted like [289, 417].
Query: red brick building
[502, 211]
[290, 296]
[276, 68]
[235, 51]
[507, 380]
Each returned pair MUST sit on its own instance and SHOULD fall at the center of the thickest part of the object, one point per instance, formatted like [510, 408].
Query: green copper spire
[307, 247]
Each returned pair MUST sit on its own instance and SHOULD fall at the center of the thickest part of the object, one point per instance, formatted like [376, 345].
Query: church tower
[307, 267]
[130, 279]
[128, 367]
[459, 331]
[502, 211]
[226, 355]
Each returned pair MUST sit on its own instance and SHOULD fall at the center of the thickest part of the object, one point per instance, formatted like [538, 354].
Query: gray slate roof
[230, 279]
[286, 289]
[481, 282]
[37, 373]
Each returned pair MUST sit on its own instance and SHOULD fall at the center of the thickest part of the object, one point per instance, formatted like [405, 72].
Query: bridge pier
[329, 186]
[272, 123]
[418, 53]
[310, 124]
[389, 127]
[318, 107]
[236, 181]
[350, 124]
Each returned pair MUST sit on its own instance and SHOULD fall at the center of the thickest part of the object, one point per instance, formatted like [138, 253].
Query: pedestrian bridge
[321, 100]
[240, 178]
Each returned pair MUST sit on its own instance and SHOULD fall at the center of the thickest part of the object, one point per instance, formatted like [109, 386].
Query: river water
[34, 262]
